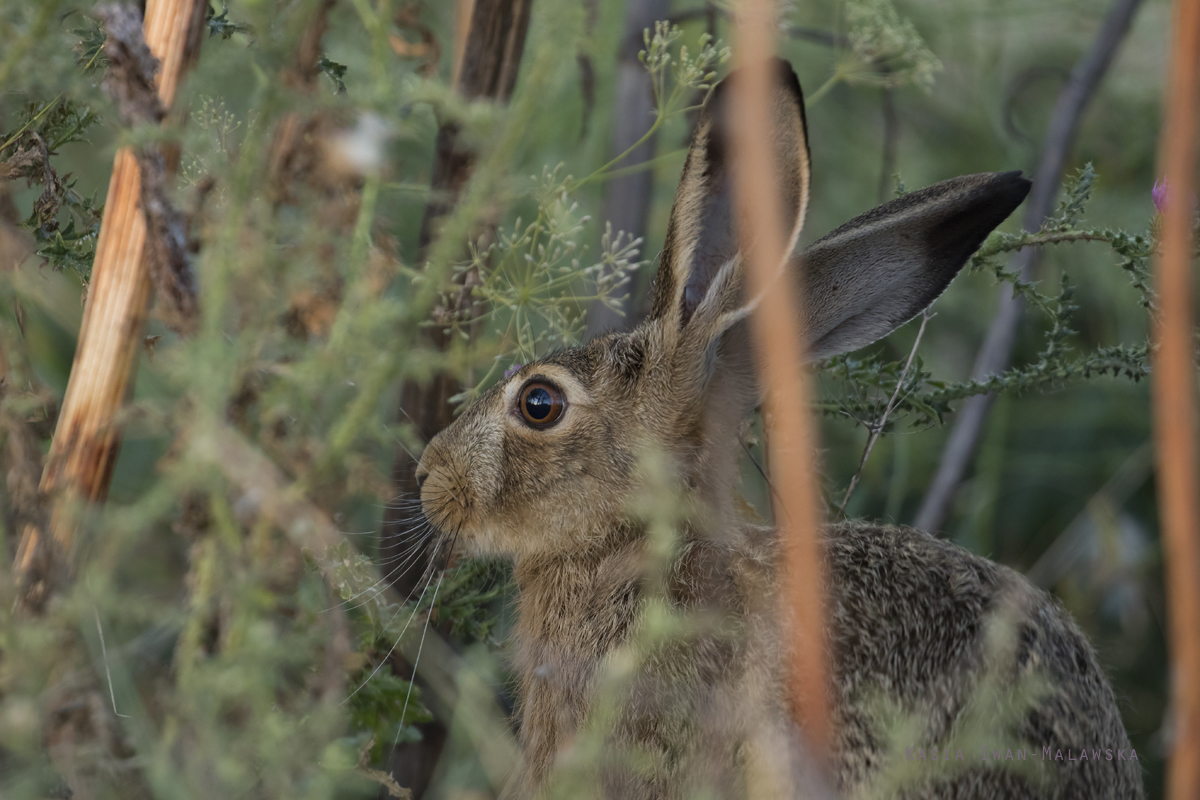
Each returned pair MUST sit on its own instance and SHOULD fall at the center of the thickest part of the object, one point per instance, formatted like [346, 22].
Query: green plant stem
[824, 88]
[643, 166]
[47, 107]
[658, 121]
[25, 127]
[366, 216]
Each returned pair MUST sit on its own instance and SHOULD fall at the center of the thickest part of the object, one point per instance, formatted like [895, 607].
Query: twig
[107, 670]
[779, 341]
[384, 779]
[876, 428]
[996, 352]
[1174, 400]
[491, 53]
[775, 499]
[462, 30]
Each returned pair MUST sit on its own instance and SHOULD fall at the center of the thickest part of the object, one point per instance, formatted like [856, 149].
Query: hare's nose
[421, 474]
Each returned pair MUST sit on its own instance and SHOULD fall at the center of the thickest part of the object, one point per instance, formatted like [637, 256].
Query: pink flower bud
[1159, 195]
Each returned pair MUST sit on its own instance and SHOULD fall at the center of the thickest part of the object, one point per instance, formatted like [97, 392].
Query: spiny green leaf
[221, 24]
[335, 72]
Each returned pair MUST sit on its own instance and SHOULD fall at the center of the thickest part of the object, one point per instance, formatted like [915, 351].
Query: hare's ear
[700, 268]
[881, 269]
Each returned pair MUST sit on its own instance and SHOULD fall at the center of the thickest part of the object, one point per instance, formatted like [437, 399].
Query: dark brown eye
[541, 404]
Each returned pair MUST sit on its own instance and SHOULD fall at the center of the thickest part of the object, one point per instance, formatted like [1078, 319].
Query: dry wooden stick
[86, 440]
[462, 31]
[778, 335]
[1174, 379]
[495, 32]
[491, 57]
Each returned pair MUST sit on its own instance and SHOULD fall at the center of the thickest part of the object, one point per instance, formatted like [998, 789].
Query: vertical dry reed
[87, 438]
[1174, 400]
[779, 340]
[462, 30]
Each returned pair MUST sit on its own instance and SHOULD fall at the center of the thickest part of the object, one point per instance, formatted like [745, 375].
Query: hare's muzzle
[444, 483]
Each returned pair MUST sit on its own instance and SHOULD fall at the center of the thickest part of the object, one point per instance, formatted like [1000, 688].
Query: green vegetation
[207, 648]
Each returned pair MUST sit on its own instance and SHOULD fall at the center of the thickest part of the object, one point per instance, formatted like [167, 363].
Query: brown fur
[909, 615]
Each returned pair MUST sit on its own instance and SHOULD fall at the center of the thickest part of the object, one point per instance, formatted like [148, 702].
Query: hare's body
[620, 699]
[909, 619]
[576, 617]
[911, 616]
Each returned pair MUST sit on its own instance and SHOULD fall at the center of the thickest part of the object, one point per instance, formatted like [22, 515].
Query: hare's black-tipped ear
[881, 269]
[699, 267]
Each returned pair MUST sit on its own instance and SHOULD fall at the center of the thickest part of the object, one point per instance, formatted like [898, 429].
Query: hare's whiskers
[421, 646]
[400, 442]
[417, 531]
[408, 504]
[408, 556]
[400, 636]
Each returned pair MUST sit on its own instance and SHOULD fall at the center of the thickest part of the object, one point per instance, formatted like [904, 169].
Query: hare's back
[926, 624]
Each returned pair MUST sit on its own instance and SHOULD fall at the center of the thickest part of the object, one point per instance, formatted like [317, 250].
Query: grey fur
[864, 280]
[910, 614]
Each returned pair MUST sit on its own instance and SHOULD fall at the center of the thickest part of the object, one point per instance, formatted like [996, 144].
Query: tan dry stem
[1174, 379]
[462, 28]
[87, 440]
[777, 333]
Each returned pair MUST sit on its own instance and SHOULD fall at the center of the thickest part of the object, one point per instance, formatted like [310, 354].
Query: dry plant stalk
[1174, 400]
[86, 440]
[492, 35]
[779, 340]
[490, 59]
[462, 29]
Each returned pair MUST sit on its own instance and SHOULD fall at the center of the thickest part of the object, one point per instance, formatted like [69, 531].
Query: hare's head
[544, 462]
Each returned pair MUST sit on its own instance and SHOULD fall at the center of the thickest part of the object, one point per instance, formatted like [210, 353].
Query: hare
[544, 469]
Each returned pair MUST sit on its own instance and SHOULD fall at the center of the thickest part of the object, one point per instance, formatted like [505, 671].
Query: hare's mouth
[446, 499]
[448, 528]
[446, 516]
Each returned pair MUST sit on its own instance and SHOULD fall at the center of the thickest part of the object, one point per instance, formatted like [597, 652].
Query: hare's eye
[541, 404]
